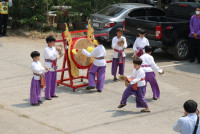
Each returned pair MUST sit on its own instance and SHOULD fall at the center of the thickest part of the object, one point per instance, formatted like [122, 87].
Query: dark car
[169, 32]
[112, 17]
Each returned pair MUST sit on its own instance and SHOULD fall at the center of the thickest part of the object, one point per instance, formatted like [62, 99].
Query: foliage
[32, 13]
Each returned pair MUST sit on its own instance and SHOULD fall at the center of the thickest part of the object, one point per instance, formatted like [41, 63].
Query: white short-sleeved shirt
[37, 68]
[140, 43]
[186, 125]
[98, 52]
[50, 53]
[148, 61]
[138, 75]
[115, 46]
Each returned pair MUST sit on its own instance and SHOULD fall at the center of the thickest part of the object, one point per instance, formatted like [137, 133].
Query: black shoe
[121, 105]
[48, 98]
[99, 91]
[90, 87]
[115, 79]
[155, 98]
[36, 104]
[40, 102]
[191, 61]
[55, 96]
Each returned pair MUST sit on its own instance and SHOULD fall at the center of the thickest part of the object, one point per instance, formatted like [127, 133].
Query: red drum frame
[62, 80]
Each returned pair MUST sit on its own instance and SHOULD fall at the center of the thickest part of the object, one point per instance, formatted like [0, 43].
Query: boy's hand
[162, 72]
[118, 43]
[195, 36]
[58, 48]
[46, 68]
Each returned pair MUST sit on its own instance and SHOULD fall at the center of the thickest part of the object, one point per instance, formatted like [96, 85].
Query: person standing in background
[195, 36]
[4, 4]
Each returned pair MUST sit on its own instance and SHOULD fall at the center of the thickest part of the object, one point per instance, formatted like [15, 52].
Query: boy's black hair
[137, 61]
[119, 29]
[148, 49]
[50, 39]
[100, 39]
[142, 31]
[35, 54]
[190, 106]
[198, 7]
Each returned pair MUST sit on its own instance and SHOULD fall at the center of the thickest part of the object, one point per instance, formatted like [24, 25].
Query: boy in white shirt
[38, 70]
[99, 66]
[50, 56]
[140, 43]
[138, 78]
[149, 66]
[118, 44]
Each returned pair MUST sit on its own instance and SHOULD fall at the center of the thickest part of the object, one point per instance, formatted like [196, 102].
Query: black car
[169, 32]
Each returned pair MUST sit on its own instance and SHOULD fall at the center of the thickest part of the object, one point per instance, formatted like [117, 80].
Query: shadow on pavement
[117, 113]
[189, 68]
[23, 105]
[109, 81]
[64, 89]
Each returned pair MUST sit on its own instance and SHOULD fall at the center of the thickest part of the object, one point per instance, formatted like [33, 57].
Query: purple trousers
[115, 64]
[151, 78]
[51, 82]
[100, 78]
[35, 91]
[139, 94]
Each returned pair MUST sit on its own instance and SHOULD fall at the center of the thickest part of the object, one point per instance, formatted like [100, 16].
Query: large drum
[81, 61]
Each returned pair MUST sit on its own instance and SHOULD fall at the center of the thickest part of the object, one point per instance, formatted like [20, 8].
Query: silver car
[112, 17]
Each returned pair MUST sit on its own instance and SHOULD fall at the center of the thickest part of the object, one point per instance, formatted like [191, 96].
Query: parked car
[169, 32]
[154, 2]
[112, 17]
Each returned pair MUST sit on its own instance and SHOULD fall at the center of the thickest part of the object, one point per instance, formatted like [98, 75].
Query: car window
[113, 11]
[137, 12]
[156, 12]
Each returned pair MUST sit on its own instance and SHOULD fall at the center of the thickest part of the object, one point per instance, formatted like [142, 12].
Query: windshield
[112, 11]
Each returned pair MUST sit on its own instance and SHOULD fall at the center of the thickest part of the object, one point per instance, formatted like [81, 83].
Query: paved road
[89, 112]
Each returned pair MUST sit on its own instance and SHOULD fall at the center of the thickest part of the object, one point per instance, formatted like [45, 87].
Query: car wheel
[181, 49]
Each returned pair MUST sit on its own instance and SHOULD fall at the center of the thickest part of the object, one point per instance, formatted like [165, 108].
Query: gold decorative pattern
[74, 69]
[90, 32]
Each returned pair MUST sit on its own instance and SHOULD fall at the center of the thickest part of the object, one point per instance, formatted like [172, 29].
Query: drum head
[79, 59]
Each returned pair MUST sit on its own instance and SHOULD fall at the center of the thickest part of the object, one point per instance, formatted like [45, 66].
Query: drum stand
[66, 60]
